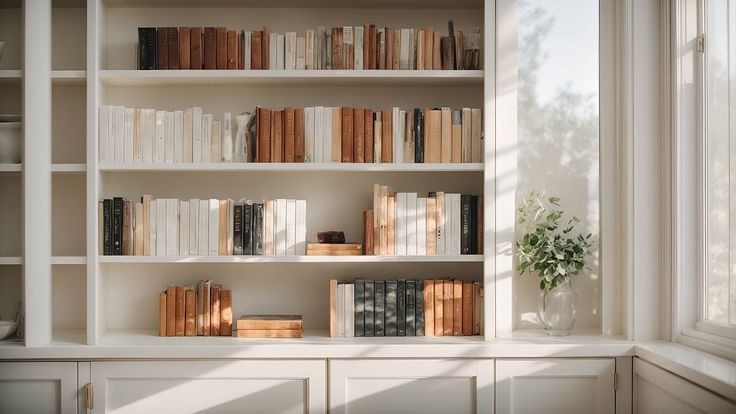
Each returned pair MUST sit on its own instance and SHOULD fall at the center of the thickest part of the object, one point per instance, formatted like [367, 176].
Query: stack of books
[203, 310]
[334, 249]
[270, 326]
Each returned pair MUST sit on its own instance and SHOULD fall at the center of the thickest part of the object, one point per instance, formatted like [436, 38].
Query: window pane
[720, 123]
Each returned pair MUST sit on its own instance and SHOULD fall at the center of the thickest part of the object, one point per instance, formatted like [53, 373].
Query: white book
[273, 48]
[456, 224]
[301, 227]
[421, 226]
[301, 58]
[206, 142]
[268, 227]
[290, 51]
[128, 134]
[152, 231]
[111, 135]
[327, 134]
[230, 227]
[349, 313]
[186, 136]
[178, 127]
[404, 49]
[215, 150]
[290, 227]
[309, 134]
[241, 123]
[161, 225]
[319, 138]
[440, 223]
[214, 228]
[358, 61]
[411, 224]
[449, 212]
[183, 227]
[400, 224]
[309, 51]
[193, 247]
[203, 246]
[227, 137]
[118, 133]
[104, 119]
[172, 227]
[197, 134]
[398, 143]
[169, 138]
[280, 220]
[148, 130]
[340, 310]
[247, 50]
[159, 137]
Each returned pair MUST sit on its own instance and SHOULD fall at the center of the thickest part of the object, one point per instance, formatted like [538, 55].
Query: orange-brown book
[347, 134]
[180, 309]
[221, 48]
[368, 232]
[171, 310]
[299, 135]
[172, 40]
[431, 227]
[210, 48]
[447, 308]
[255, 50]
[240, 46]
[477, 304]
[270, 333]
[190, 310]
[368, 136]
[436, 56]
[366, 46]
[435, 136]
[222, 231]
[232, 49]
[358, 134]
[439, 304]
[389, 48]
[333, 308]
[162, 314]
[184, 47]
[428, 307]
[207, 308]
[277, 137]
[336, 54]
[336, 134]
[428, 47]
[200, 308]
[391, 226]
[371, 47]
[387, 148]
[162, 48]
[289, 135]
[467, 308]
[264, 134]
[446, 135]
[271, 322]
[215, 312]
[265, 55]
[457, 308]
[226, 312]
[195, 41]
[395, 65]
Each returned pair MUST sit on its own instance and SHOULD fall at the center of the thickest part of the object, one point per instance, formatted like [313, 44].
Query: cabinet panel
[555, 386]
[658, 391]
[38, 387]
[210, 386]
[400, 386]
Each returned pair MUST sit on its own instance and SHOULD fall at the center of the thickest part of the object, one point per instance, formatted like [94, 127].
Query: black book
[465, 217]
[359, 321]
[411, 298]
[391, 325]
[258, 229]
[248, 229]
[401, 308]
[238, 230]
[107, 226]
[142, 44]
[418, 135]
[474, 224]
[117, 226]
[379, 306]
[369, 308]
[151, 45]
[419, 308]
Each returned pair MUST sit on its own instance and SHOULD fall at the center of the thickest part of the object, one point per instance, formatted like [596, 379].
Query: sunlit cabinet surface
[210, 387]
[38, 387]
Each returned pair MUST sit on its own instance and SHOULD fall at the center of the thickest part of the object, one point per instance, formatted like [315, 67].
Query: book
[368, 136]
[184, 47]
[391, 307]
[221, 52]
[419, 308]
[299, 131]
[379, 308]
[162, 305]
[232, 49]
[258, 237]
[238, 229]
[247, 229]
[172, 40]
[447, 308]
[368, 233]
[439, 309]
[196, 51]
[477, 307]
[358, 135]
[171, 310]
[226, 312]
[180, 318]
[367, 287]
[117, 226]
[190, 309]
[200, 307]
[270, 333]
[215, 309]
[467, 308]
[210, 48]
[411, 302]
[349, 314]
[457, 307]
[270, 322]
[289, 135]
[162, 49]
[401, 308]
[333, 309]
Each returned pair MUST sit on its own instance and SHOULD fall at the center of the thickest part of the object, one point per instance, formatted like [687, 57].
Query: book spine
[247, 229]
[448, 311]
[215, 312]
[258, 229]
[411, 326]
[299, 135]
[379, 307]
[151, 48]
[370, 289]
[419, 308]
[185, 47]
[467, 309]
[474, 224]
[162, 50]
[200, 308]
[401, 308]
[457, 308]
[465, 224]
[439, 311]
[226, 312]
[196, 57]
[162, 314]
[391, 308]
[220, 48]
[359, 316]
[172, 40]
[142, 44]
[210, 48]
[190, 309]
[117, 226]
[107, 227]
[477, 307]
[127, 236]
[238, 230]
[180, 322]
[368, 142]
[347, 134]
[429, 308]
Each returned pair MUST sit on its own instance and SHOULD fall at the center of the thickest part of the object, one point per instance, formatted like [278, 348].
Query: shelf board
[339, 4]
[69, 168]
[10, 76]
[10, 260]
[68, 260]
[302, 167]
[11, 168]
[289, 259]
[58, 77]
[291, 77]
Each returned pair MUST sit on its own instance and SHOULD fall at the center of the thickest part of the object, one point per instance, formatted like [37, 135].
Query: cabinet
[210, 386]
[401, 386]
[555, 386]
[38, 387]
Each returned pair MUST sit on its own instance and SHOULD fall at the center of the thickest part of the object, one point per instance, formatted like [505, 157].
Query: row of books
[404, 224]
[323, 134]
[202, 310]
[270, 326]
[319, 134]
[207, 227]
[363, 47]
[447, 307]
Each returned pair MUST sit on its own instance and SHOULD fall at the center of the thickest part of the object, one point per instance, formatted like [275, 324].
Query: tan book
[387, 136]
[428, 47]
[215, 312]
[439, 313]
[389, 49]
[409, 139]
[127, 245]
[207, 307]
[436, 56]
[180, 309]
[100, 228]
[395, 65]
[200, 308]
[162, 304]
[268, 249]
[434, 132]
[448, 308]
[146, 224]
[138, 235]
[137, 137]
[477, 307]
[277, 137]
[215, 142]
[420, 51]
[271, 322]
[431, 226]
[428, 307]
[391, 226]
[265, 55]
[270, 333]
[333, 308]
[226, 312]
[289, 135]
[457, 144]
[439, 221]
[466, 115]
[368, 233]
[467, 308]
[457, 308]
[334, 246]
[171, 310]
[190, 310]
[328, 252]
[368, 136]
[222, 231]
[336, 134]
[446, 135]
[263, 129]
[476, 136]
[347, 134]
[358, 134]
[384, 219]
[376, 219]
[299, 135]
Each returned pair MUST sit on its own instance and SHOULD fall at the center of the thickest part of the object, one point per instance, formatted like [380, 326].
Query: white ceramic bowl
[10, 139]
[7, 329]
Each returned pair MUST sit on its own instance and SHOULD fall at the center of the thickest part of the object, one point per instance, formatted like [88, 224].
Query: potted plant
[554, 253]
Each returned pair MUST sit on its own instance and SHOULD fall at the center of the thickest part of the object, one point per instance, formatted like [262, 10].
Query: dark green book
[238, 229]
[359, 320]
[258, 229]
[247, 229]
[401, 308]
[369, 308]
[410, 308]
[379, 306]
[419, 308]
[391, 310]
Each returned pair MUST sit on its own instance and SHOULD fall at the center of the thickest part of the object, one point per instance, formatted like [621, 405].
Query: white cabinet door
[411, 386]
[38, 387]
[658, 391]
[210, 386]
[555, 386]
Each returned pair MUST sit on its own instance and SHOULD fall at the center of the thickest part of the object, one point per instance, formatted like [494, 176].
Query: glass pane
[558, 127]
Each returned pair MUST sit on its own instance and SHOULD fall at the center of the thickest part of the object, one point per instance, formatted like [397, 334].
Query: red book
[210, 48]
[221, 47]
[184, 47]
[195, 41]
[162, 49]
[347, 134]
[299, 135]
[173, 46]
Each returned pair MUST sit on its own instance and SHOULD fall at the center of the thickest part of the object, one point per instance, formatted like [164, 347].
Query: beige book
[376, 219]
[391, 225]
[420, 51]
[431, 226]
[216, 150]
[428, 307]
[465, 135]
[222, 232]
[409, 138]
[428, 47]
[138, 236]
[270, 333]
[457, 145]
[436, 56]
[440, 223]
[146, 224]
[333, 308]
[435, 136]
[162, 314]
[476, 136]
[269, 322]
[268, 249]
[137, 137]
[446, 136]
[384, 220]
[336, 134]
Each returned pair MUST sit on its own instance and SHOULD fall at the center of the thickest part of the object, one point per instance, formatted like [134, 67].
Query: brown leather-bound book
[428, 40]
[222, 231]
[207, 307]
[162, 48]
[358, 134]
[246, 322]
[336, 134]
[439, 312]
[459, 50]
[210, 48]
[395, 65]
[447, 53]
[420, 49]
[457, 308]
[185, 47]
[371, 35]
[264, 134]
[389, 48]
[436, 57]
[172, 36]
[428, 307]
[431, 238]
[171, 310]
[368, 232]
[196, 50]
[215, 310]
[446, 135]
[347, 134]
[336, 54]
[289, 135]
[221, 48]
[265, 55]
[190, 310]
[387, 143]
[368, 136]
[477, 304]
[270, 333]
[467, 308]
[255, 50]
[299, 135]
[200, 307]
[391, 226]
[277, 137]
[241, 50]
[434, 132]
[333, 308]
[226, 312]
[232, 49]
[180, 308]
[162, 314]
[447, 308]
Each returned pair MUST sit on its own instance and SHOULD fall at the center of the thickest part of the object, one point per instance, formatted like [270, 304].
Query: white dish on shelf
[7, 329]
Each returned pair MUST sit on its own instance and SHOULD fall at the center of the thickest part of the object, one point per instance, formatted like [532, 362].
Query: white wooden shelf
[58, 77]
[290, 259]
[69, 260]
[291, 77]
[291, 167]
[11, 168]
[55, 168]
[10, 260]
[340, 4]
[10, 76]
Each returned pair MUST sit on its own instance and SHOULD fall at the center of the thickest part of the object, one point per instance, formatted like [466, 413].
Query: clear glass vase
[558, 309]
